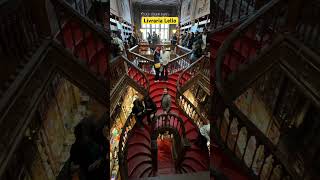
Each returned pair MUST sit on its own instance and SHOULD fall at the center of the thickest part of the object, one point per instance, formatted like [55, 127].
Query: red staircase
[82, 38]
[139, 150]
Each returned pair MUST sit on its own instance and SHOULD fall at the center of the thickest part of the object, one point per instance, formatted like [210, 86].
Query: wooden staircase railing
[123, 146]
[163, 123]
[174, 65]
[20, 37]
[80, 28]
[240, 137]
[95, 10]
[183, 102]
[227, 13]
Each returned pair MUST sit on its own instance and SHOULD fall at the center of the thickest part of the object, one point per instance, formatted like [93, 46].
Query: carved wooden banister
[74, 32]
[123, 146]
[163, 122]
[226, 13]
[174, 65]
[184, 81]
[174, 124]
[137, 75]
[234, 130]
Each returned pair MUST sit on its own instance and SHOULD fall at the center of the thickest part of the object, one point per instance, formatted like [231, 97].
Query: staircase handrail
[123, 143]
[174, 65]
[155, 122]
[192, 112]
[253, 131]
[146, 83]
[69, 9]
[163, 123]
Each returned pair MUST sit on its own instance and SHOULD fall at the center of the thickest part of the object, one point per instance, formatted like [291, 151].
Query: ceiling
[158, 2]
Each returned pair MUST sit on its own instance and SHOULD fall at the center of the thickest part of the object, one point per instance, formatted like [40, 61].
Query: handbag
[157, 65]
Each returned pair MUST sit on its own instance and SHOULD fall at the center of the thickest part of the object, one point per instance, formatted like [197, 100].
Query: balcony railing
[174, 65]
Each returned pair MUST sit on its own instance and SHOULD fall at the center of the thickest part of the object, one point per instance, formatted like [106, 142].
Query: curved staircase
[139, 156]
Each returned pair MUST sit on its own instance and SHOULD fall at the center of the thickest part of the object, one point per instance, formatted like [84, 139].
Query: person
[117, 41]
[174, 39]
[157, 65]
[138, 110]
[166, 101]
[150, 108]
[132, 41]
[204, 40]
[165, 58]
[186, 40]
[149, 38]
[86, 153]
[158, 39]
[190, 41]
[181, 41]
[154, 40]
[197, 51]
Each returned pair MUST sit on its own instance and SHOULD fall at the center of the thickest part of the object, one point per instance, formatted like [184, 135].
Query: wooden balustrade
[250, 38]
[242, 139]
[174, 65]
[175, 125]
[82, 37]
[20, 37]
[226, 13]
[117, 71]
[123, 145]
[192, 71]
[187, 77]
[91, 9]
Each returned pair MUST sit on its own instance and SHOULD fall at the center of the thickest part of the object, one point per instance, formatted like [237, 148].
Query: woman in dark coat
[156, 58]
[138, 111]
[150, 106]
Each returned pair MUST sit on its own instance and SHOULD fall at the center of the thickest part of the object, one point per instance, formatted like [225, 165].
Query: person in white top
[205, 131]
[204, 40]
[165, 58]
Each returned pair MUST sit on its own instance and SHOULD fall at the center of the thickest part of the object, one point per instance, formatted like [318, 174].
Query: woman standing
[157, 65]
[138, 110]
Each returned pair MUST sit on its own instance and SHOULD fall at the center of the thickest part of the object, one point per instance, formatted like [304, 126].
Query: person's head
[158, 49]
[165, 90]
[136, 103]
[205, 31]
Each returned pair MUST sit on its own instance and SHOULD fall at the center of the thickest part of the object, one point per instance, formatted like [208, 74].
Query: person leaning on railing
[150, 108]
[138, 112]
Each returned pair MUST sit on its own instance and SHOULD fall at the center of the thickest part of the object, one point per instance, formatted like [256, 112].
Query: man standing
[166, 101]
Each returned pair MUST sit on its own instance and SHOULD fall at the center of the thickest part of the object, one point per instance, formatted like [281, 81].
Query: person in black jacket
[132, 41]
[150, 108]
[157, 65]
[138, 111]
[191, 41]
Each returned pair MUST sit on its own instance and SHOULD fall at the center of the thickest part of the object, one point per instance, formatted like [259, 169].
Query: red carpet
[165, 160]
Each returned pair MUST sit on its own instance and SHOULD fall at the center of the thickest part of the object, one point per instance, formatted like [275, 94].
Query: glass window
[161, 29]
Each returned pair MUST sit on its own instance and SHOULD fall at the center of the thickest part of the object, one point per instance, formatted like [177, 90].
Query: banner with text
[159, 20]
